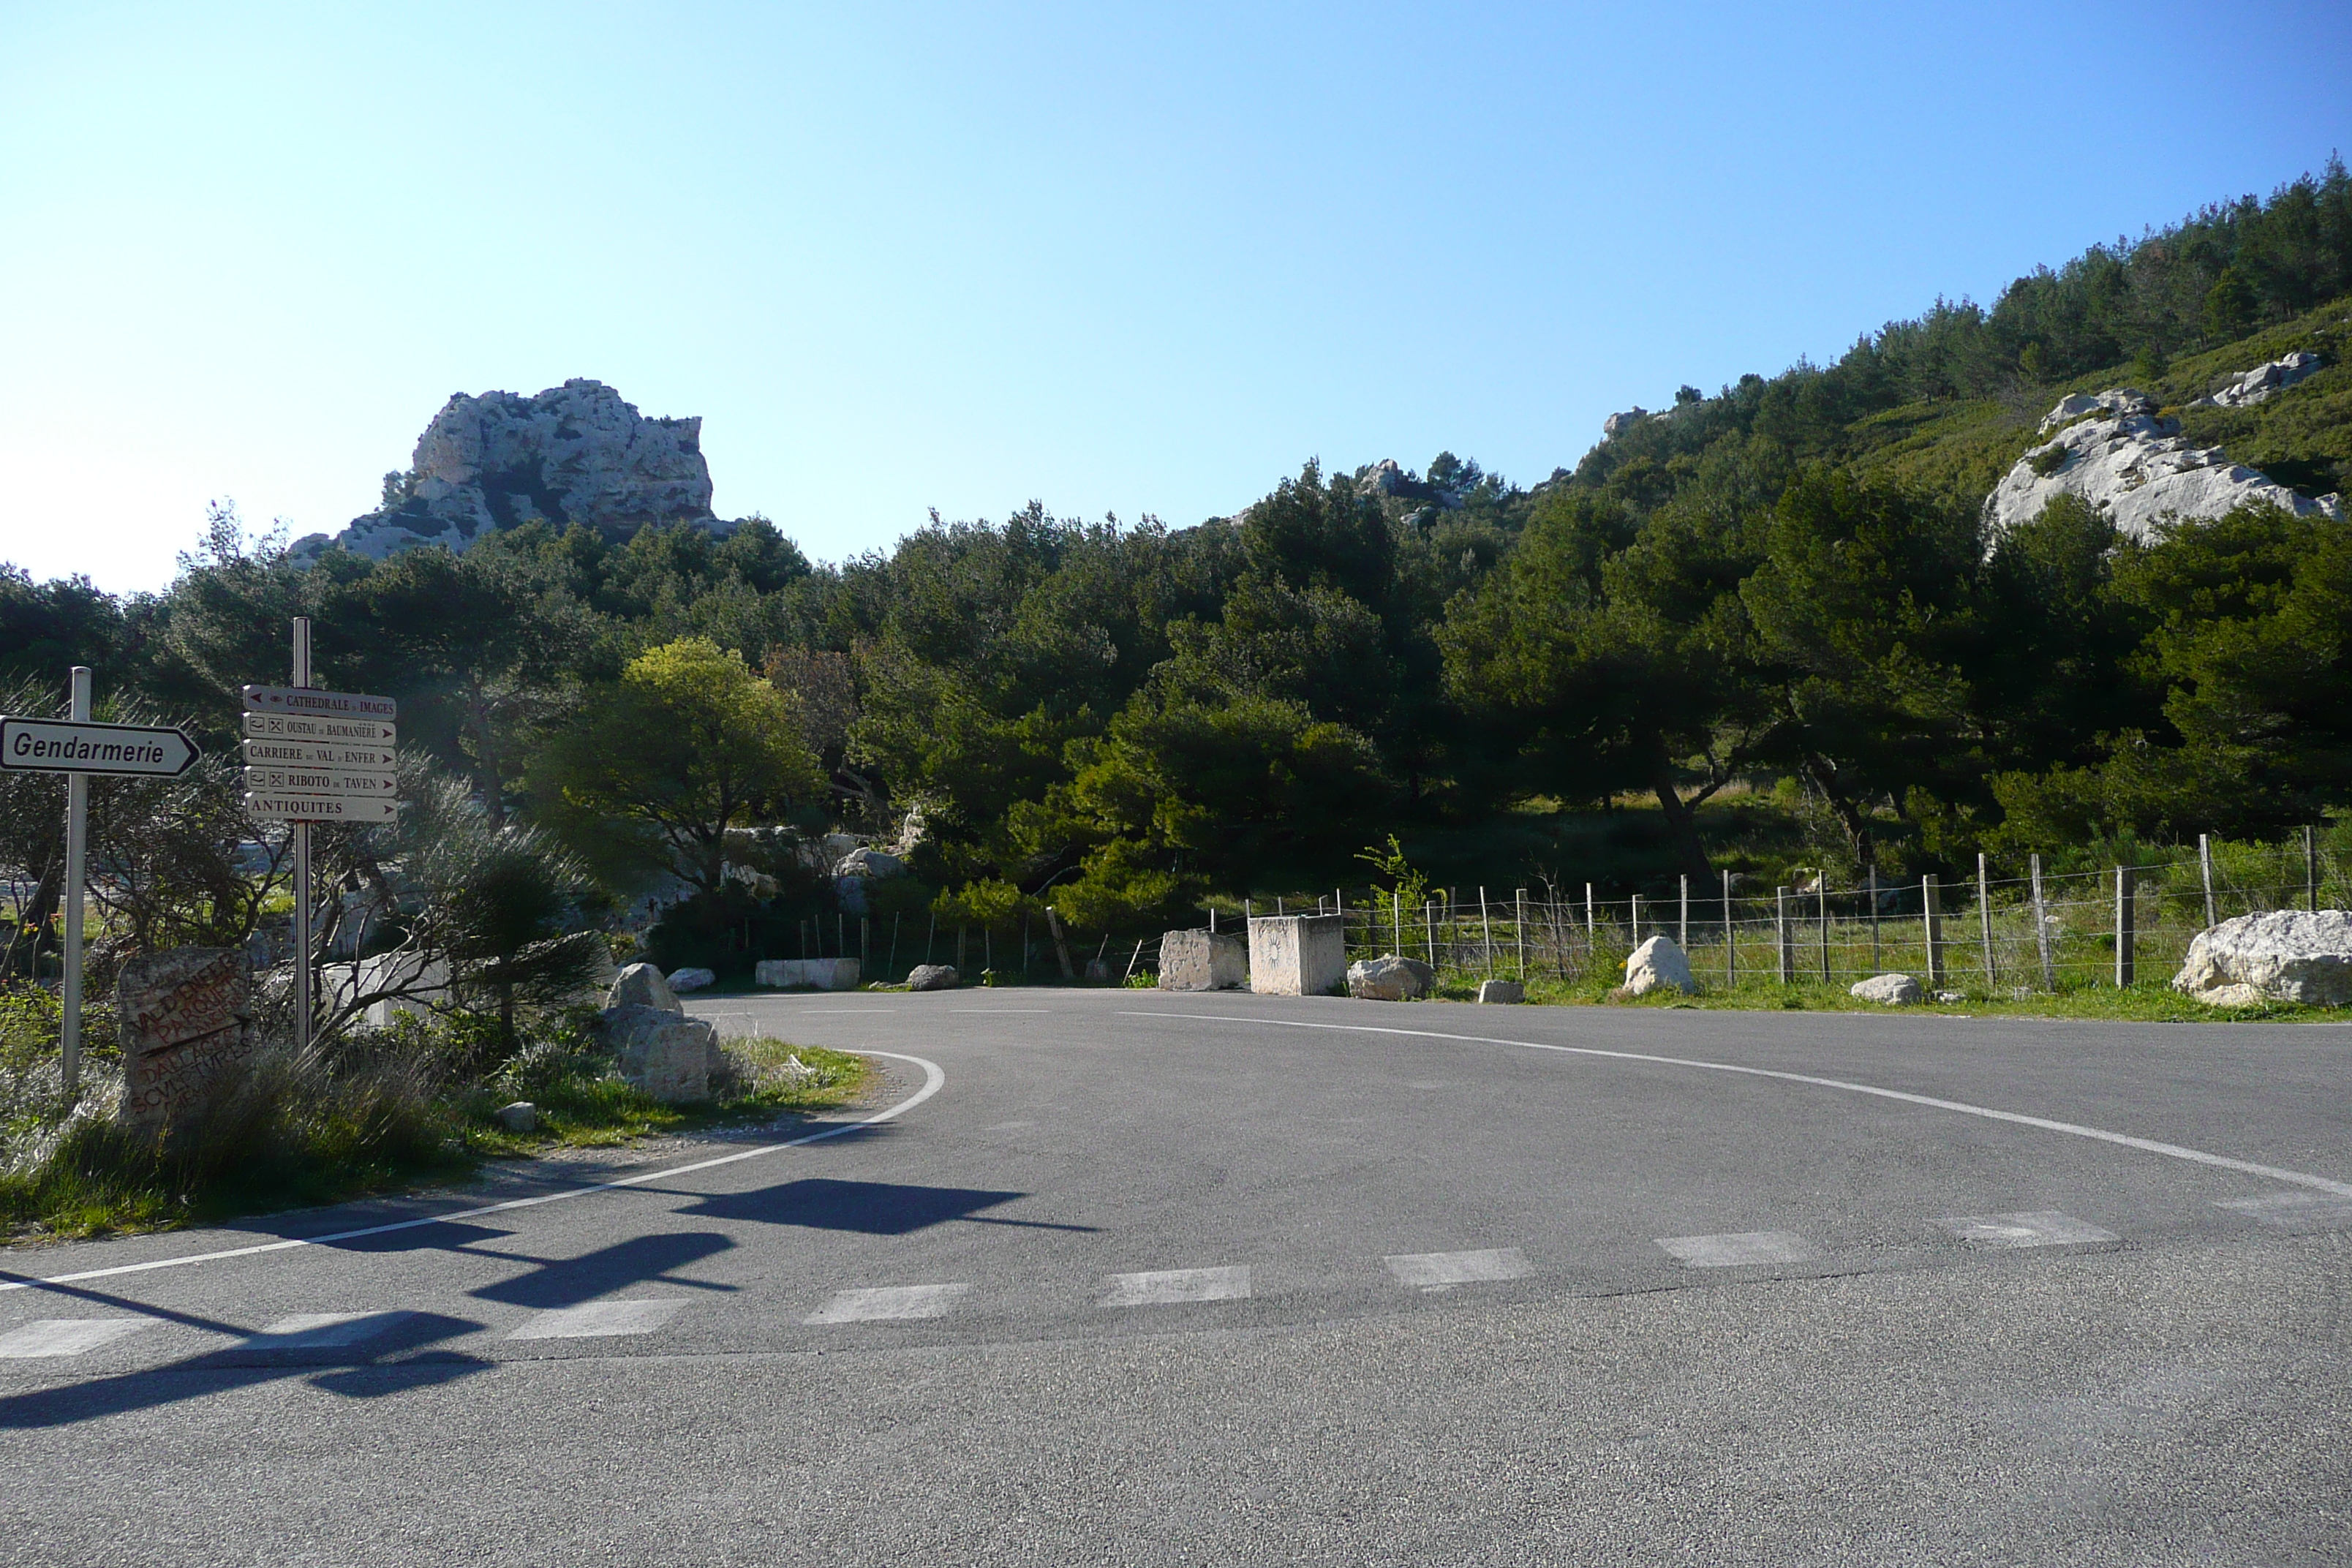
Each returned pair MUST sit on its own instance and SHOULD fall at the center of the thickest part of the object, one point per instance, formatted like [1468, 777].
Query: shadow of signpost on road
[641, 1260]
[870, 1208]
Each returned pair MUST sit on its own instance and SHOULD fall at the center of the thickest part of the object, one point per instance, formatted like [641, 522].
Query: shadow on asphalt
[398, 1357]
[568, 1281]
[870, 1208]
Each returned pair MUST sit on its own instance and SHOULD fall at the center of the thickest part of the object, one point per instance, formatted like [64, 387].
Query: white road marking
[1445, 1270]
[2294, 1210]
[321, 1330]
[1740, 1248]
[2124, 1140]
[2039, 1227]
[66, 1336]
[890, 1304]
[995, 1012]
[1168, 1287]
[597, 1320]
[933, 1081]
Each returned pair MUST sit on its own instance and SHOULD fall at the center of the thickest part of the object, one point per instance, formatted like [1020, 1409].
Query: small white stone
[521, 1116]
[1658, 963]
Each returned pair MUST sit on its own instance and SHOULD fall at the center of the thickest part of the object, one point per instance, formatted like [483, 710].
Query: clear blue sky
[1116, 259]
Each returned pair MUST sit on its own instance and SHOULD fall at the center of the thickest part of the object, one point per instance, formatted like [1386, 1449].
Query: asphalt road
[1155, 1279]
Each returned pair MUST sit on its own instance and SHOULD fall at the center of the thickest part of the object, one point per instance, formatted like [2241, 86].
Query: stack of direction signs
[320, 756]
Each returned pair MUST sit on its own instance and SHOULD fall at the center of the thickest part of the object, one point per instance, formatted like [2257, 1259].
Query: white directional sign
[64, 746]
[295, 726]
[321, 780]
[310, 702]
[320, 754]
[320, 808]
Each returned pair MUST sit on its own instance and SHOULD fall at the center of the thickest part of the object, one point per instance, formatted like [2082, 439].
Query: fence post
[1591, 931]
[1061, 944]
[2041, 929]
[2205, 870]
[1822, 893]
[1429, 922]
[1636, 909]
[1872, 872]
[1681, 924]
[1132, 960]
[2311, 867]
[1519, 897]
[2124, 913]
[1927, 928]
[1984, 917]
[1730, 937]
[1487, 933]
[1781, 927]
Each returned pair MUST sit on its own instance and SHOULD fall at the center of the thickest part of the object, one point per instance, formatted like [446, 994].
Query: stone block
[682, 980]
[1501, 991]
[932, 977]
[1888, 990]
[1297, 955]
[185, 1018]
[664, 1054]
[1198, 961]
[825, 974]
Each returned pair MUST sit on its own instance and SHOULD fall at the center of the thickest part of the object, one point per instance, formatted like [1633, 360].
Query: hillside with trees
[1766, 626]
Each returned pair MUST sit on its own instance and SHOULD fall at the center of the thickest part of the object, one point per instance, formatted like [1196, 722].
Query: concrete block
[1196, 961]
[1297, 955]
[825, 974]
[1503, 991]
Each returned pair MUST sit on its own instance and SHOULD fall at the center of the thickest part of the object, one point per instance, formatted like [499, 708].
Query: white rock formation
[1617, 421]
[1389, 978]
[2286, 956]
[1658, 963]
[1888, 990]
[2114, 452]
[2262, 380]
[575, 453]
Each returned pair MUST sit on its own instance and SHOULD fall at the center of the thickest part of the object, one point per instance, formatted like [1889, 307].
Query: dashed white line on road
[1168, 1287]
[2295, 1211]
[66, 1336]
[596, 1319]
[888, 1304]
[2039, 1227]
[1740, 1247]
[321, 1330]
[1445, 1270]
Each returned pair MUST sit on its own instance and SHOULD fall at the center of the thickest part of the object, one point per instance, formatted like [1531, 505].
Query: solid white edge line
[2124, 1140]
[933, 1081]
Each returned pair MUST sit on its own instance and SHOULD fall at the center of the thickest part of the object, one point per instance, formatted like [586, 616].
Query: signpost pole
[77, 852]
[303, 1002]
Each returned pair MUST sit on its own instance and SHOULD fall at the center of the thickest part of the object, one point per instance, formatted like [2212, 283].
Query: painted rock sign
[185, 1017]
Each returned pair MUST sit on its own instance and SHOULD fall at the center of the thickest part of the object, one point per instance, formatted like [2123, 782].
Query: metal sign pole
[303, 1002]
[77, 849]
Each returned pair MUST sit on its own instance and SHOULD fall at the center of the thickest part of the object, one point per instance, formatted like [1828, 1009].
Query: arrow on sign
[313, 703]
[61, 746]
[319, 781]
[319, 808]
[294, 727]
[320, 754]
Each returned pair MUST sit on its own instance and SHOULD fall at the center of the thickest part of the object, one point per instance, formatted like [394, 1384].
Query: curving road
[1123, 1277]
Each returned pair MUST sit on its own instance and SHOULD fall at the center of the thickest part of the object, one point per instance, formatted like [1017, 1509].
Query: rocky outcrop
[575, 453]
[1658, 964]
[1888, 990]
[2285, 955]
[2257, 384]
[1389, 978]
[1617, 423]
[2114, 451]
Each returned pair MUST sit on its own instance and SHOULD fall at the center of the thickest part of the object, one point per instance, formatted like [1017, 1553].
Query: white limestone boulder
[2285, 955]
[1658, 963]
[2261, 383]
[1389, 978]
[691, 980]
[932, 977]
[665, 1054]
[1888, 990]
[642, 985]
